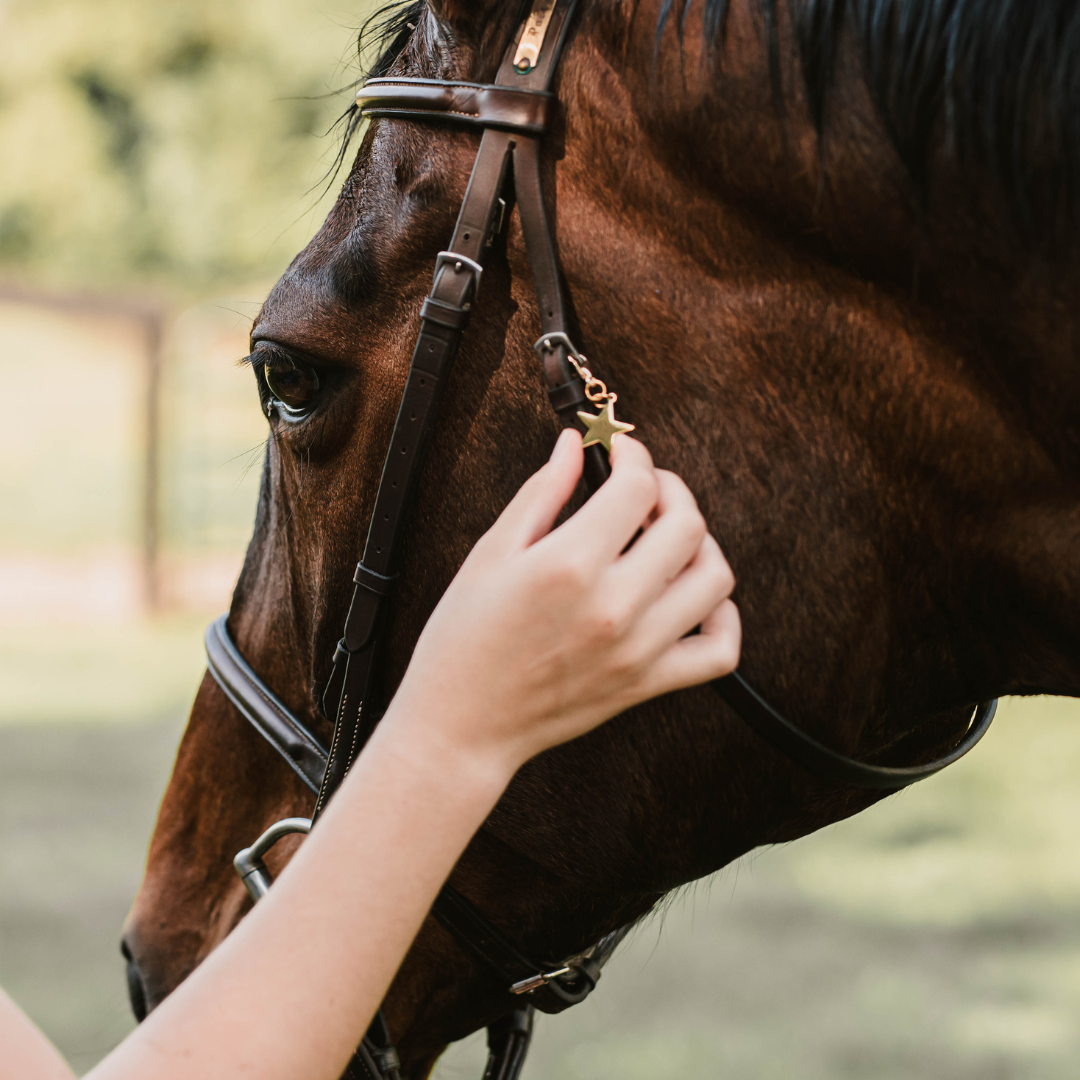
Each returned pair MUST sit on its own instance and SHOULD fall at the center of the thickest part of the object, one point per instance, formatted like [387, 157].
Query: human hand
[545, 633]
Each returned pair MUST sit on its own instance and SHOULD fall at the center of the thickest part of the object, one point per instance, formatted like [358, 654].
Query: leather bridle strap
[818, 759]
[350, 692]
[559, 985]
[516, 108]
[512, 114]
[287, 734]
[258, 704]
[307, 757]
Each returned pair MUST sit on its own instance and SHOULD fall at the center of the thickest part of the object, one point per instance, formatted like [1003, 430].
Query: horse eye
[293, 383]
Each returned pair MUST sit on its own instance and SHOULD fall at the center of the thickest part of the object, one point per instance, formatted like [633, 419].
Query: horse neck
[720, 252]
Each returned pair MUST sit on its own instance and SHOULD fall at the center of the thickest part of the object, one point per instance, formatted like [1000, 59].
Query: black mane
[998, 80]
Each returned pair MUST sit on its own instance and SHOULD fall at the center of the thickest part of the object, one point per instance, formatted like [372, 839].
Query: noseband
[513, 115]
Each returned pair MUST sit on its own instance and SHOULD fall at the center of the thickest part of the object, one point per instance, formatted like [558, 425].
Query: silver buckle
[534, 982]
[549, 341]
[459, 262]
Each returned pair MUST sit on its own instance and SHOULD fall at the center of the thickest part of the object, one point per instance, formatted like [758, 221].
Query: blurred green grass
[936, 935]
[120, 674]
[176, 145]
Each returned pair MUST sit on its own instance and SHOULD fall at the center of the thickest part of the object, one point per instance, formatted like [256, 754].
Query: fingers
[608, 521]
[690, 599]
[709, 655]
[666, 547]
[533, 510]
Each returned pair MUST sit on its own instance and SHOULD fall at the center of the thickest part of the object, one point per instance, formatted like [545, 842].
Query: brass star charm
[603, 427]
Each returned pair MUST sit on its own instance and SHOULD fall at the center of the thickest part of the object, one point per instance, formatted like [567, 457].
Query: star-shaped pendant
[602, 427]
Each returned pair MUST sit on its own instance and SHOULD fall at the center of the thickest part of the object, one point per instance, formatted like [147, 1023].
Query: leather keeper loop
[387, 1059]
[571, 395]
[376, 583]
[453, 318]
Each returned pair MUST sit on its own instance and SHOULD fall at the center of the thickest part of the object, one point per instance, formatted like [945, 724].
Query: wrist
[427, 737]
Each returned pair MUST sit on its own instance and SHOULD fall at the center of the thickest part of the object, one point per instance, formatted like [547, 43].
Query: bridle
[513, 114]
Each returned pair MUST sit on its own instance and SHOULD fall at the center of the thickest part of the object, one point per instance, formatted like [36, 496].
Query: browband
[508, 108]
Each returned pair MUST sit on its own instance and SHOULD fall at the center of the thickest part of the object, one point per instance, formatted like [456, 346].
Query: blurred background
[161, 164]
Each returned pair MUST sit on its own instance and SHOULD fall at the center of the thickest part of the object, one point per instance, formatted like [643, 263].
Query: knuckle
[598, 630]
[561, 574]
[677, 492]
[729, 640]
[725, 578]
[694, 525]
[720, 569]
[632, 452]
[569, 575]
[642, 484]
[673, 486]
[679, 502]
[610, 622]
[630, 664]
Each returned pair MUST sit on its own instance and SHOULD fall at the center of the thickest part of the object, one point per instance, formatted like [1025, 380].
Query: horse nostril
[136, 990]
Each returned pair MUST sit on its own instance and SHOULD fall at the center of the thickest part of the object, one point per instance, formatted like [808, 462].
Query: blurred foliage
[176, 144]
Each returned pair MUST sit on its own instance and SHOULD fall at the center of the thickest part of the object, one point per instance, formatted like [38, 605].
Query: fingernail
[560, 442]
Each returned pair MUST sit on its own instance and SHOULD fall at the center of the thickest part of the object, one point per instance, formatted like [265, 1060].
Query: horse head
[831, 294]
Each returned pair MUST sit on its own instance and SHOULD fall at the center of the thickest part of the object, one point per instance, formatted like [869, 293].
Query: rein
[513, 114]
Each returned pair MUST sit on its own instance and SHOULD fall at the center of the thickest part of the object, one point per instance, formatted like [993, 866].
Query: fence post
[153, 325]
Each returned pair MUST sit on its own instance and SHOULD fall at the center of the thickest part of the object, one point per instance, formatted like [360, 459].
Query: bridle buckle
[534, 982]
[459, 263]
[548, 343]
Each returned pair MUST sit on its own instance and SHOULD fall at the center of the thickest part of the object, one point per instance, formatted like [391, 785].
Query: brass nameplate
[532, 37]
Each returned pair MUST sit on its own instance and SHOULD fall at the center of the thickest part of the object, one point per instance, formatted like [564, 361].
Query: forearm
[543, 634]
[25, 1054]
[293, 988]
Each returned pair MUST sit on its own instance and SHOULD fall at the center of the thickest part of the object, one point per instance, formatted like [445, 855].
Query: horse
[825, 252]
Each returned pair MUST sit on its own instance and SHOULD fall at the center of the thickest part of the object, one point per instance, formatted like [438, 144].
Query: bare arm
[25, 1054]
[543, 635]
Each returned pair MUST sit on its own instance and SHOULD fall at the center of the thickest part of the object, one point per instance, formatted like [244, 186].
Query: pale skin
[544, 634]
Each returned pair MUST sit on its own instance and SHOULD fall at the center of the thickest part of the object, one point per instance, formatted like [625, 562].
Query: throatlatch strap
[819, 760]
